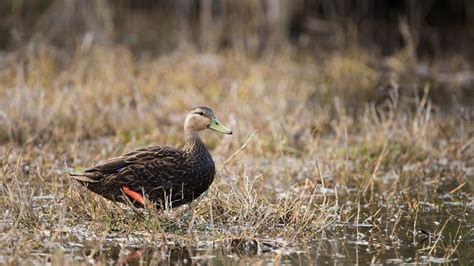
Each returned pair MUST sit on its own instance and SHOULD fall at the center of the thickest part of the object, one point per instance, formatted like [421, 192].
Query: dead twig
[237, 151]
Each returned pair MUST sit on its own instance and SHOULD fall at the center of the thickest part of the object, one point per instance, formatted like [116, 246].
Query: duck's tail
[82, 178]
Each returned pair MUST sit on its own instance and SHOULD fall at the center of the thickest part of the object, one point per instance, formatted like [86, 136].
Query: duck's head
[202, 117]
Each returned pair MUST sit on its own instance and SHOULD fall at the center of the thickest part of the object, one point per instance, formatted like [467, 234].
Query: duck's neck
[192, 142]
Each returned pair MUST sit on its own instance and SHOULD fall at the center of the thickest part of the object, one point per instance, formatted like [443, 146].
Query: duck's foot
[134, 195]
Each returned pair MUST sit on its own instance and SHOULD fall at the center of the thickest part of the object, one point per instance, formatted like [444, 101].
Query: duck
[167, 177]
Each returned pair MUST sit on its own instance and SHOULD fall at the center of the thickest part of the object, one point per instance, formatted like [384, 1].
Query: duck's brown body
[167, 176]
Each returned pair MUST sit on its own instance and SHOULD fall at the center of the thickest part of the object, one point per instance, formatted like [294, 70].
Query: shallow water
[344, 247]
[448, 228]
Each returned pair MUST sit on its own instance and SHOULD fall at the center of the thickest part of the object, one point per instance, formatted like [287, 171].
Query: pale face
[201, 118]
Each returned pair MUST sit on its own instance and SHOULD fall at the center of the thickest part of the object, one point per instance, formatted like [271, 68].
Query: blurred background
[432, 28]
[145, 56]
[411, 35]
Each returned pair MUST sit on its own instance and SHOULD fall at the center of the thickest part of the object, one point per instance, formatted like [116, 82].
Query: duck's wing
[138, 157]
[133, 172]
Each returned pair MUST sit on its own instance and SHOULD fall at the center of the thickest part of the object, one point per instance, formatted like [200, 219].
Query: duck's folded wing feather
[135, 157]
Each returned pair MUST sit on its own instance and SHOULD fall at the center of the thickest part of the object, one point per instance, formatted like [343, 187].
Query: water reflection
[321, 252]
[147, 255]
[409, 241]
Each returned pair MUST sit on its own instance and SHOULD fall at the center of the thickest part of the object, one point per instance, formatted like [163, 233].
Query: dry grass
[332, 157]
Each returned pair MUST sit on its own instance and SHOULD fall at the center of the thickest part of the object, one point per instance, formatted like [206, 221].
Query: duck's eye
[199, 113]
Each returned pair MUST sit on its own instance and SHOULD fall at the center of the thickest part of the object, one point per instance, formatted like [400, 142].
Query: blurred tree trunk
[205, 22]
[67, 22]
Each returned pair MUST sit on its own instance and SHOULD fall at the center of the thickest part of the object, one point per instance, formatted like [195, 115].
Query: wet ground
[439, 233]
[422, 220]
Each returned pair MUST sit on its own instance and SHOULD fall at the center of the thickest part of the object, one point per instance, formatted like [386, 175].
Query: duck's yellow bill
[216, 126]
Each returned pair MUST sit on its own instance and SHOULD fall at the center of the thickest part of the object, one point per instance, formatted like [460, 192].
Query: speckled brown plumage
[167, 176]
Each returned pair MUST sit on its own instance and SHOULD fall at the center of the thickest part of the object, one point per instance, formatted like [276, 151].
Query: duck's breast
[203, 173]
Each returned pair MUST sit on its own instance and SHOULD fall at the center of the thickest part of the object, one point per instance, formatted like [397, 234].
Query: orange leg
[134, 195]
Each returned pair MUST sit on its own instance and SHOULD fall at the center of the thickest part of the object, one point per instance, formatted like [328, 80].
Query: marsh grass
[331, 157]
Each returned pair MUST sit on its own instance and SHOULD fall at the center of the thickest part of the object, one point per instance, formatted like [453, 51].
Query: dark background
[433, 27]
